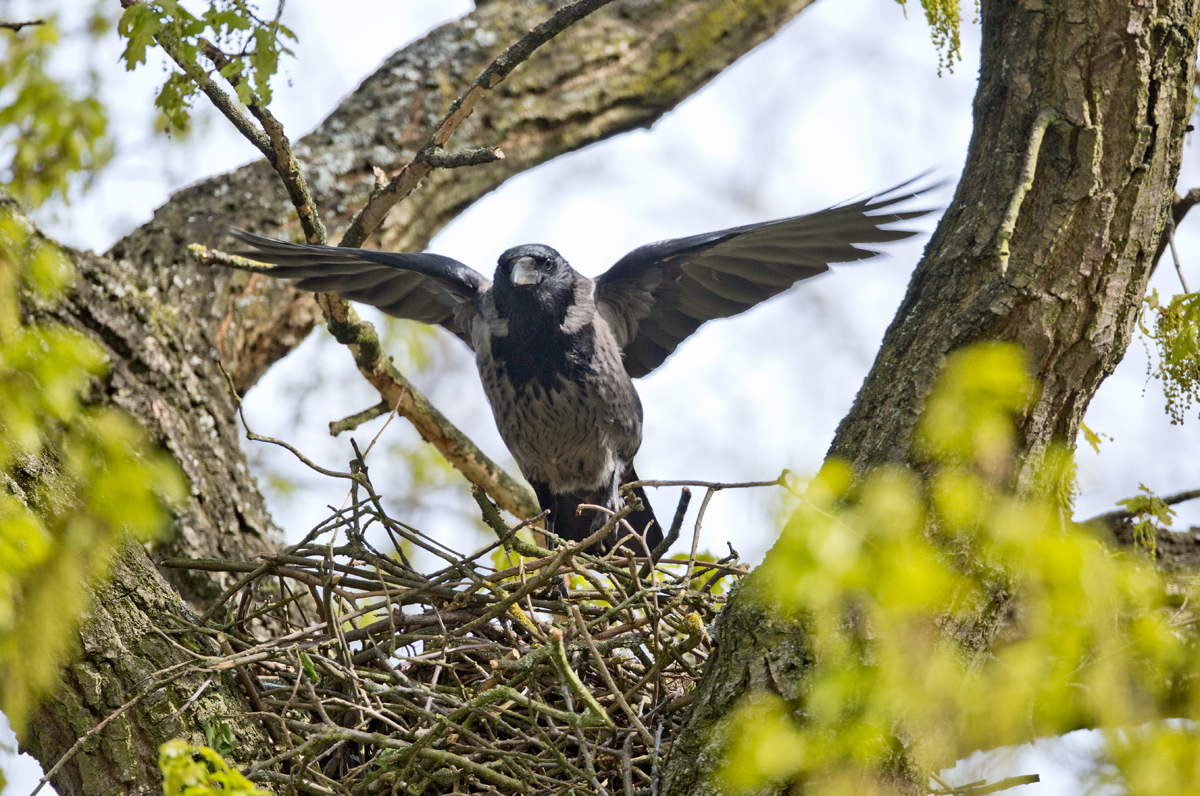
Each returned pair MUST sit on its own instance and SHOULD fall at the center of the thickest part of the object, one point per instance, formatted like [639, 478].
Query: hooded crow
[557, 351]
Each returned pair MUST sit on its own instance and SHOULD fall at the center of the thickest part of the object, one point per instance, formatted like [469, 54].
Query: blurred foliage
[48, 134]
[1093, 438]
[1176, 338]
[76, 478]
[945, 27]
[251, 44]
[946, 615]
[199, 771]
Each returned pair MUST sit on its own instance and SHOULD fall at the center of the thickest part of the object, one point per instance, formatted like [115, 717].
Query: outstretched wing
[422, 287]
[658, 294]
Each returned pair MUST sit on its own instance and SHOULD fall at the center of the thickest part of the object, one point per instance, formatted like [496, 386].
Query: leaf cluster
[1175, 332]
[199, 771]
[1149, 513]
[239, 44]
[48, 135]
[945, 26]
[947, 614]
[77, 478]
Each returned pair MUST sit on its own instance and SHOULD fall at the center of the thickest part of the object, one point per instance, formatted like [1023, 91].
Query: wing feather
[657, 295]
[418, 286]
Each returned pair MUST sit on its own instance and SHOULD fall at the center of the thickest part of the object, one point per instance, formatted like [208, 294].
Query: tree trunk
[166, 322]
[1081, 110]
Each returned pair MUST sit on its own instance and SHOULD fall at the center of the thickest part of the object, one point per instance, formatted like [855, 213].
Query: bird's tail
[644, 519]
[570, 523]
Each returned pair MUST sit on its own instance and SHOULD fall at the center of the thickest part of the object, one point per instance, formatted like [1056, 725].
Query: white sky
[845, 101]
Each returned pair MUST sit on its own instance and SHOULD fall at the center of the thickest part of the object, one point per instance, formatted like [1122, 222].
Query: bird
[557, 351]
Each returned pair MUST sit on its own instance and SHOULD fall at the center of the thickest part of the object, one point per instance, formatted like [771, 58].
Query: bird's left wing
[658, 294]
[422, 287]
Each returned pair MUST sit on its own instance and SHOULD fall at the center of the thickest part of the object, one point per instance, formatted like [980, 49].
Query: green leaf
[310, 671]
[219, 736]
[200, 771]
[1091, 437]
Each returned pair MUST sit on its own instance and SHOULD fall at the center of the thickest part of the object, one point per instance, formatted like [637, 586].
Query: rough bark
[121, 654]
[165, 322]
[1112, 82]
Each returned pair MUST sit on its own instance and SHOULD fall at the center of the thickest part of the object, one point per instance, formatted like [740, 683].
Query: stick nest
[562, 672]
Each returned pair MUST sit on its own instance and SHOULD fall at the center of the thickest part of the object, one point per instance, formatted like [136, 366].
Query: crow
[557, 351]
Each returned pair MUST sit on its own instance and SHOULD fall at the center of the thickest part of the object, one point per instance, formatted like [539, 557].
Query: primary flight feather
[557, 351]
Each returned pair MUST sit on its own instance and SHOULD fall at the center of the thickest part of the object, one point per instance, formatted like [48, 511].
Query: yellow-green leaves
[945, 25]
[250, 48]
[945, 614]
[764, 744]
[75, 479]
[199, 771]
[968, 416]
[1176, 336]
[1149, 513]
[47, 134]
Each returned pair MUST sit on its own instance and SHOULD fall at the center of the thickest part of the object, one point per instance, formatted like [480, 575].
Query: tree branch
[1179, 210]
[282, 157]
[16, 26]
[368, 219]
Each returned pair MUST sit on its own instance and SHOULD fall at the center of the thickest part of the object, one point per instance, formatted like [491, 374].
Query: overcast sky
[846, 101]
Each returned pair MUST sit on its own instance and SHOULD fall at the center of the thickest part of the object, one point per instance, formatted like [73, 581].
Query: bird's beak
[524, 272]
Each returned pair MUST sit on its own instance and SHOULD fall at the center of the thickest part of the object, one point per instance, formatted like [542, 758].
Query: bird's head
[532, 265]
[535, 274]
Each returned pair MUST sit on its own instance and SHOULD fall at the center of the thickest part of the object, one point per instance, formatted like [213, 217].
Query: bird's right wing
[422, 287]
[659, 294]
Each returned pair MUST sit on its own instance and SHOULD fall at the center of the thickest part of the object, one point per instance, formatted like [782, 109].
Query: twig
[558, 653]
[696, 533]
[977, 789]
[281, 155]
[627, 764]
[685, 498]
[354, 421]
[608, 680]
[16, 26]
[1175, 252]
[470, 157]
[372, 214]
[716, 486]
[220, 100]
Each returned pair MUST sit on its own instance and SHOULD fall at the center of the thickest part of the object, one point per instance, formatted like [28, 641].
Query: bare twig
[354, 421]
[981, 788]
[281, 156]
[1175, 251]
[372, 214]
[16, 26]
